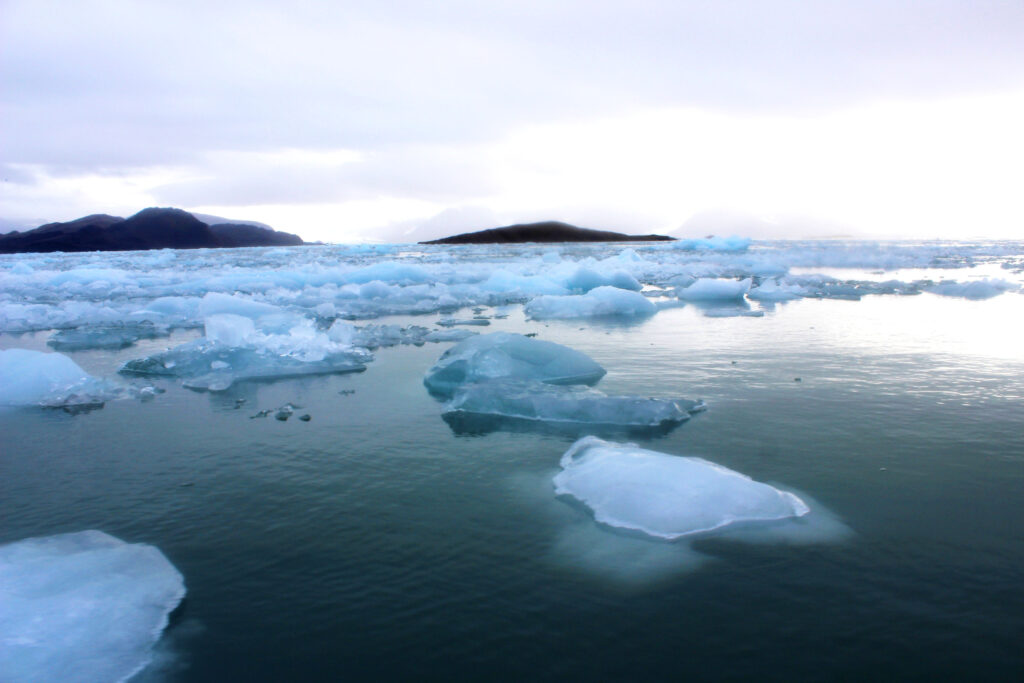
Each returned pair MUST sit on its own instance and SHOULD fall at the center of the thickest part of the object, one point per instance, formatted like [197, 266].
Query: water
[376, 542]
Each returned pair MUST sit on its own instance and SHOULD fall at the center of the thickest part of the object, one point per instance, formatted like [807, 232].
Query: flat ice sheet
[667, 496]
[82, 607]
[512, 356]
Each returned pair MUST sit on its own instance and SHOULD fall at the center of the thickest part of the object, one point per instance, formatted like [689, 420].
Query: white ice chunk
[230, 329]
[82, 607]
[506, 355]
[663, 495]
[599, 302]
[585, 279]
[714, 289]
[215, 303]
[532, 400]
[48, 379]
[772, 290]
[714, 244]
[976, 289]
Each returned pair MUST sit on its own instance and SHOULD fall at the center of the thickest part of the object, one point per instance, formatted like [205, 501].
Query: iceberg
[82, 607]
[50, 379]
[117, 336]
[977, 289]
[772, 290]
[585, 279]
[598, 302]
[714, 289]
[666, 496]
[235, 350]
[533, 400]
[506, 355]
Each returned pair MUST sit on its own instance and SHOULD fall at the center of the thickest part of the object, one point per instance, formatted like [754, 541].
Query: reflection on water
[377, 542]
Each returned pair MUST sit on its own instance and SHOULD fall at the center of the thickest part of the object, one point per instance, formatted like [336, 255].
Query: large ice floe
[503, 355]
[666, 496]
[235, 349]
[51, 379]
[82, 607]
[533, 400]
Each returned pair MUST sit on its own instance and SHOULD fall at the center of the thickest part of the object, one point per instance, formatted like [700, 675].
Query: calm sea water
[377, 542]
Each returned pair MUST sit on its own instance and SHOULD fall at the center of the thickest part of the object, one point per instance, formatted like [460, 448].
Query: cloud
[164, 83]
[298, 176]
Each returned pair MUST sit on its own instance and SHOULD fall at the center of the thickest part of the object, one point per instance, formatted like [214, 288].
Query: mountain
[547, 231]
[152, 228]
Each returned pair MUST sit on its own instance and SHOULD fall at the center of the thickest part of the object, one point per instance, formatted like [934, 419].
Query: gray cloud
[427, 173]
[160, 83]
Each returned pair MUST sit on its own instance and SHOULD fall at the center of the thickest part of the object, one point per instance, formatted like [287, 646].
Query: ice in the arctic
[234, 349]
[666, 496]
[533, 400]
[82, 607]
[599, 302]
[714, 289]
[506, 355]
[49, 379]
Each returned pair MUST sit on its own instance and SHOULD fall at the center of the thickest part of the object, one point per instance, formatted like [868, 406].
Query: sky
[401, 121]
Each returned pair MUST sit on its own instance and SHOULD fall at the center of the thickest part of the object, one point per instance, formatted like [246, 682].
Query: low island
[153, 228]
[547, 231]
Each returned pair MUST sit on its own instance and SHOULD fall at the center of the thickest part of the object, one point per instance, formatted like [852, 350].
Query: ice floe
[666, 496]
[30, 377]
[82, 607]
[533, 400]
[713, 289]
[604, 301]
[514, 356]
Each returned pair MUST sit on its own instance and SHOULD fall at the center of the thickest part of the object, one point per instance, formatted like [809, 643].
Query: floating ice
[117, 336]
[600, 302]
[712, 289]
[976, 289]
[235, 350]
[49, 379]
[666, 496]
[82, 607]
[586, 279]
[505, 355]
[714, 244]
[772, 290]
[472, 322]
[533, 400]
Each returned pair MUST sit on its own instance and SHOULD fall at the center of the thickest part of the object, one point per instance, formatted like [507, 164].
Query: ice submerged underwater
[628, 512]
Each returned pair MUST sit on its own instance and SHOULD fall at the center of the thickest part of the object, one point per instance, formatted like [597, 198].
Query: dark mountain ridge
[546, 231]
[153, 228]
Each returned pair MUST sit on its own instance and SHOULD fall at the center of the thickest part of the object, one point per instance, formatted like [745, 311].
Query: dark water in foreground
[376, 543]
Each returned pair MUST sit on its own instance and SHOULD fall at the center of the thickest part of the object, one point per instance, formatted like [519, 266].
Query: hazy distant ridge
[153, 228]
[547, 231]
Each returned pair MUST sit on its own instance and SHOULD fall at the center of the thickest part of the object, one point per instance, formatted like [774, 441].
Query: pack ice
[506, 355]
[533, 400]
[49, 379]
[82, 607]
[598, 302]
[235, 349]
[666, 496]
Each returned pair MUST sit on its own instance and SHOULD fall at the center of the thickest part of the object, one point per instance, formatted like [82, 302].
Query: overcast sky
[397, 120]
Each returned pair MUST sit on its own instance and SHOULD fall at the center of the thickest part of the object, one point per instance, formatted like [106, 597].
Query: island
[153, 228]
[546, 231]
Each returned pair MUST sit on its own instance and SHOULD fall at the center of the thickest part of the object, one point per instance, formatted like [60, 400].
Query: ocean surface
[380, 541]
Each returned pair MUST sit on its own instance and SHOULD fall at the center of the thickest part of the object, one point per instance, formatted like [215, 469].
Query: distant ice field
[472, 455]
